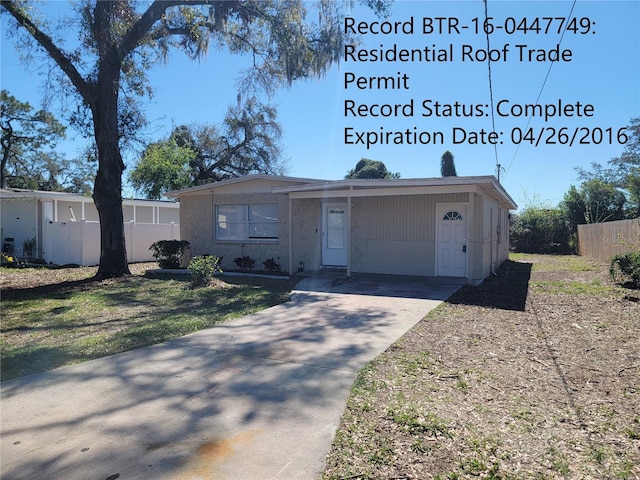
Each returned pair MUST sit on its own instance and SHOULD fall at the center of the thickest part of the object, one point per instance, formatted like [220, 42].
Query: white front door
[334, 234]
[451, 248]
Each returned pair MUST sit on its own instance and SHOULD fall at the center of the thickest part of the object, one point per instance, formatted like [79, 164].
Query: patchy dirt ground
[20, 278]
[533, 375]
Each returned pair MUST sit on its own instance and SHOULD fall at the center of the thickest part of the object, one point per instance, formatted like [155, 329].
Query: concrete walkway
[259, 397]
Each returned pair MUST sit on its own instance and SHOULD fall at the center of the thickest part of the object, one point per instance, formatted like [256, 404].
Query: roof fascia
[384, 191]
[390, 183]
[259, 176]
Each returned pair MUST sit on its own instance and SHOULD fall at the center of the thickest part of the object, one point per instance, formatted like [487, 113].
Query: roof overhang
[487, 185]
[19, 193]
[200, 189]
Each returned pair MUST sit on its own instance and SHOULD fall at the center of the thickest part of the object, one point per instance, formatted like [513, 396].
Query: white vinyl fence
[79, 242]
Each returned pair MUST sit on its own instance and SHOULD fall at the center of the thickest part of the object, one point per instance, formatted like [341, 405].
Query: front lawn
[48, 325]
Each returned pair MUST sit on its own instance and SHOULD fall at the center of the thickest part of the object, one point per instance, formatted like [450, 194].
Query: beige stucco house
[452, 226]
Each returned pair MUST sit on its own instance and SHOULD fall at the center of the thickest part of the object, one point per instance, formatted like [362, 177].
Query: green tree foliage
[540, 230]
[246, 142]
[367, 168]
[606, 193]
[163, 166]
[447, 165]
[622, 172]
[121, 40]
[603, 202]
[29, 160]
[596, 201]
[573, 208]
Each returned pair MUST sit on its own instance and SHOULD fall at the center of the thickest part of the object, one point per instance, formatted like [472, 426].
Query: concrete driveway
[259, 397]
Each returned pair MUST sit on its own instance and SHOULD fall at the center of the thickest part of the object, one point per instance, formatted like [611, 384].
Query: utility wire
[543, 85]
[493, 118]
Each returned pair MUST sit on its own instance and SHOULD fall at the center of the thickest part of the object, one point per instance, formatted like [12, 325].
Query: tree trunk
[6, 149]
[107, 195]
[107, 192]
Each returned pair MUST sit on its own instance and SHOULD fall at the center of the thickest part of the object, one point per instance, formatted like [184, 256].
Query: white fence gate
[79, 242]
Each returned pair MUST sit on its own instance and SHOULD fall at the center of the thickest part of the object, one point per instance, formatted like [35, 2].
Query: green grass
[413, 418]
[556, 263]
[48, 328]
[594, 288]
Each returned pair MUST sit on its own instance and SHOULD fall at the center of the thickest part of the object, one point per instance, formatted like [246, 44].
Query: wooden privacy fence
[601, 241]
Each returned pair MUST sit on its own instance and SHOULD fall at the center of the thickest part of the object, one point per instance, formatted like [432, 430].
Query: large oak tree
[247, 141]
[119, 40]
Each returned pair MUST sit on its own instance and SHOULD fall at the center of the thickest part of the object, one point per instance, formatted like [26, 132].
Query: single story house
[451, 226]
[66, 228]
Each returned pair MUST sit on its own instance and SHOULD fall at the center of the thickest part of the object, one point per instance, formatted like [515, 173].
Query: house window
[452, 216]
[247, 222]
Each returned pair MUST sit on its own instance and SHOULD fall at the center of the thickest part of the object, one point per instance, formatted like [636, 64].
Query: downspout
[349, 231]
[38, 252]
[470, 232]
[290, 234]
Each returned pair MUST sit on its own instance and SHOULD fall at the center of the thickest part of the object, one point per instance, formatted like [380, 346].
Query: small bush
[244, 263]
[29, 247]
[627, 266]
[271, 265]
[203, 268]
[169, 252]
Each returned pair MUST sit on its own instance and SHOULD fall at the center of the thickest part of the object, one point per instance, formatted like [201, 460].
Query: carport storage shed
[452, 226]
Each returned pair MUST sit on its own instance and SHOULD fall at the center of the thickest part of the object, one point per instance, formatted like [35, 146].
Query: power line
[493, 118]
[543, 84]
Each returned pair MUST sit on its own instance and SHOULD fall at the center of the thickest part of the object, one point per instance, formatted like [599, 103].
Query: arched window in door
[452, 215]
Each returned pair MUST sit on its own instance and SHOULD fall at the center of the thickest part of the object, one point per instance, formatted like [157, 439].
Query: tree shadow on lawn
[151, 412]
[59, 290]
[507, 290]
[130, 313]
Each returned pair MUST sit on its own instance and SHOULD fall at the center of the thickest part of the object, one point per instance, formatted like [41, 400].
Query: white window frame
[244, 225]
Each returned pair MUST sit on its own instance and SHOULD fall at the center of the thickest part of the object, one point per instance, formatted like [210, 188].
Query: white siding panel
[398, 257]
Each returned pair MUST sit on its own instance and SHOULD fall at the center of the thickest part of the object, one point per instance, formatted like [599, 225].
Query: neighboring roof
[76, 197]
[247, 178]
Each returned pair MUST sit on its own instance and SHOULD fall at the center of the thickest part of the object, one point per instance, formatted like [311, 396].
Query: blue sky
[604, 71]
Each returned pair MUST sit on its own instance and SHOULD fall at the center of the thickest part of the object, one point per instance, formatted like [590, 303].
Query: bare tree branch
[54, 52]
